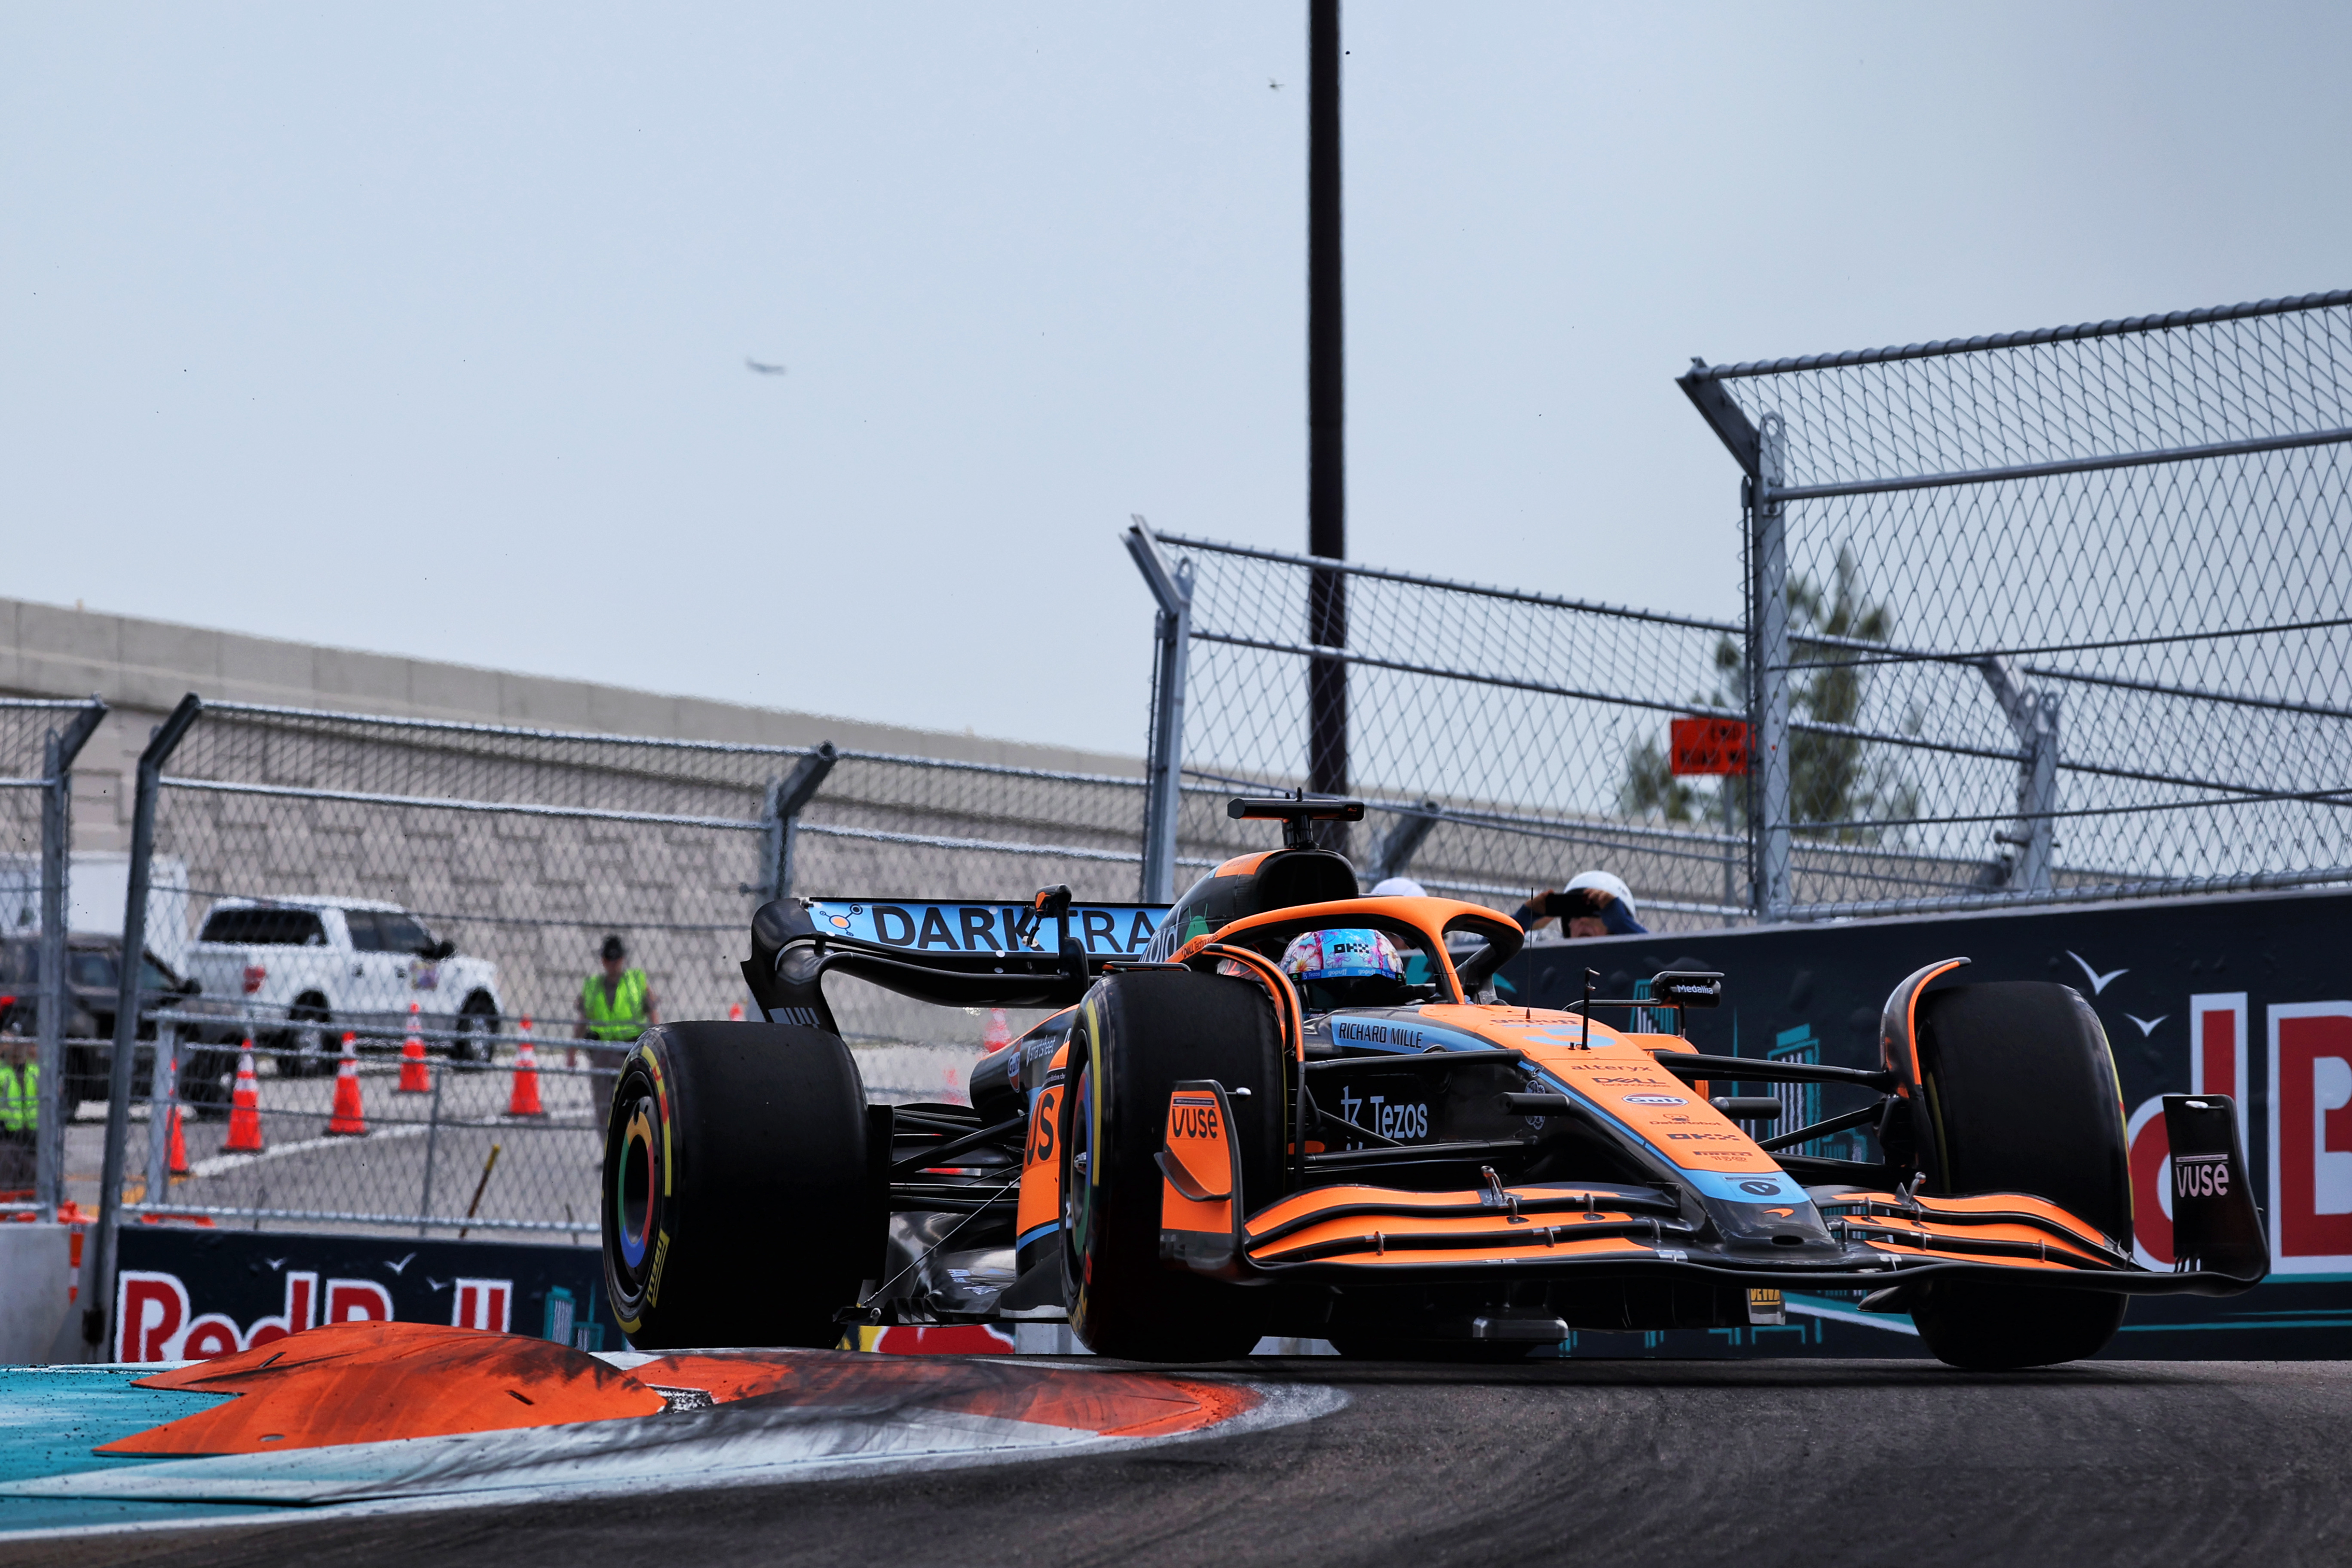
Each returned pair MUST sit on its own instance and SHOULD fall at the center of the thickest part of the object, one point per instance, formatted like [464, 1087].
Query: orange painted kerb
[365, 1383]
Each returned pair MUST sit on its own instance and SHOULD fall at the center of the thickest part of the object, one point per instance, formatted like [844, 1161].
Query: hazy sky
[424, 329]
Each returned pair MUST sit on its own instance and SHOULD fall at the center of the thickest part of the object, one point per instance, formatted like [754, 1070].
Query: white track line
[221, 1164]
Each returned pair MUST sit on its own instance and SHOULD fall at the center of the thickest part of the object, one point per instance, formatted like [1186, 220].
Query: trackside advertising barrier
[2248, 997]
[192, 1294]
[189, 1293]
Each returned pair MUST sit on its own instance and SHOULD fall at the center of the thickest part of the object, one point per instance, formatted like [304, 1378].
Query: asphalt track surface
[1606, 1462]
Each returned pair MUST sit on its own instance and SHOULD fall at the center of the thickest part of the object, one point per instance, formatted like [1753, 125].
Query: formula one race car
[1279, 1108]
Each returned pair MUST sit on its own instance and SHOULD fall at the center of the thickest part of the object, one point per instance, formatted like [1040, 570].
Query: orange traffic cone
[350, 1118]
[244, 1108]
[179, 1147]
[415, 1078]
[735, 1012]
[524, 1102]
[1000, 1032]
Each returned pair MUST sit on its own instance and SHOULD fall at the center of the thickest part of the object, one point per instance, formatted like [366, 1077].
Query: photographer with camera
[1594, 903]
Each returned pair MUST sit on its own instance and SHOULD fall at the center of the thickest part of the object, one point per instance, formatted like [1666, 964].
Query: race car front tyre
[1136, 1035]
[1997, 1325]
[736, 1209]
[2021, 1097]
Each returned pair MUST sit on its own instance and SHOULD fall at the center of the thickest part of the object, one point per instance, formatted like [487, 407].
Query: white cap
[1607, 882]
[1398, 887]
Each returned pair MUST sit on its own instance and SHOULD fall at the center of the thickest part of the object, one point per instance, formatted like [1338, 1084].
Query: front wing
[1352, 1232]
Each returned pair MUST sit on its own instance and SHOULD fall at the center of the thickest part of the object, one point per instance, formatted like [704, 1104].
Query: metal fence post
[1731, 852]
[1404, 841]
[2033, 718]
[2038, 796]
[57, 871]
[787, 797]
[1164, 765]
[162, 1094]
[432, 1147]
[98, 1282]
[1770, 659]
[1746, 444]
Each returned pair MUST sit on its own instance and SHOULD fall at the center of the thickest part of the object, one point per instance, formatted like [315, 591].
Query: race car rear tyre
[1137, 1035]
[736, 1201]
[2021, 1097]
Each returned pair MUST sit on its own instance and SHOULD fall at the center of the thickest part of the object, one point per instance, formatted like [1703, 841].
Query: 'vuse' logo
[2201, 1176]
[1192, 1122]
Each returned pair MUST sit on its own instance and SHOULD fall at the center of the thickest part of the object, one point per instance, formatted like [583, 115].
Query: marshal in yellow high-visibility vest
[20, 1113]
[20, 1096]
[616, 1004]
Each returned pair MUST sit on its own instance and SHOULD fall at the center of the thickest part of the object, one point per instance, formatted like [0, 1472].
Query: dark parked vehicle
[93, 982]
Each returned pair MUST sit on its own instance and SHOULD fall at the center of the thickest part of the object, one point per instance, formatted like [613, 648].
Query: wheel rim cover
[635, 1220]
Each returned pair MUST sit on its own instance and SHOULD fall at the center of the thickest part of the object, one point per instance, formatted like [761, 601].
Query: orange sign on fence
[1709, 746]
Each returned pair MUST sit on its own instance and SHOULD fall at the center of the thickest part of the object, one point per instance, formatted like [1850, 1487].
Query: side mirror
[1688, 988]
[192, 986]
[435, 951]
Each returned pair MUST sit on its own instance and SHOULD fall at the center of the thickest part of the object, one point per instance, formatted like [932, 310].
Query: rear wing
[1043, 953]
[969, 932]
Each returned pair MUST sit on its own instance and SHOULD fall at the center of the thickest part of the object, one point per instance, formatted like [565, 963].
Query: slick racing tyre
[736, 1201]
[1137, 1035]
[1994, 1325]
[2021, 1097]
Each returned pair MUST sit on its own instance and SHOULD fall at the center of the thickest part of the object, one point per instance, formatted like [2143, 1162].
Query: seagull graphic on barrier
[2098, 980]
[2148, 1025]
[400, 1267]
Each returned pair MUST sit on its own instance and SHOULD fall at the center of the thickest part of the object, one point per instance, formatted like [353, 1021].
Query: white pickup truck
[309, 969]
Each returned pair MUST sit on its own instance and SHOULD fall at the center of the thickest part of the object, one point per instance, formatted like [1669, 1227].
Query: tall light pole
[1327, 388]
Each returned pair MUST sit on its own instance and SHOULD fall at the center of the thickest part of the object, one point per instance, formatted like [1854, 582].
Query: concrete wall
[142, 667]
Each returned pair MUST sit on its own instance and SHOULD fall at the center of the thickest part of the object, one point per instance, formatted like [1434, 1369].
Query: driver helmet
[1351, 952]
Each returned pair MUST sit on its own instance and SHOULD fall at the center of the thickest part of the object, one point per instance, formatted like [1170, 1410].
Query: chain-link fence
[2057, 614]
[2052, 615]
[50, 1047]
[355, 884]
[1503, 740]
